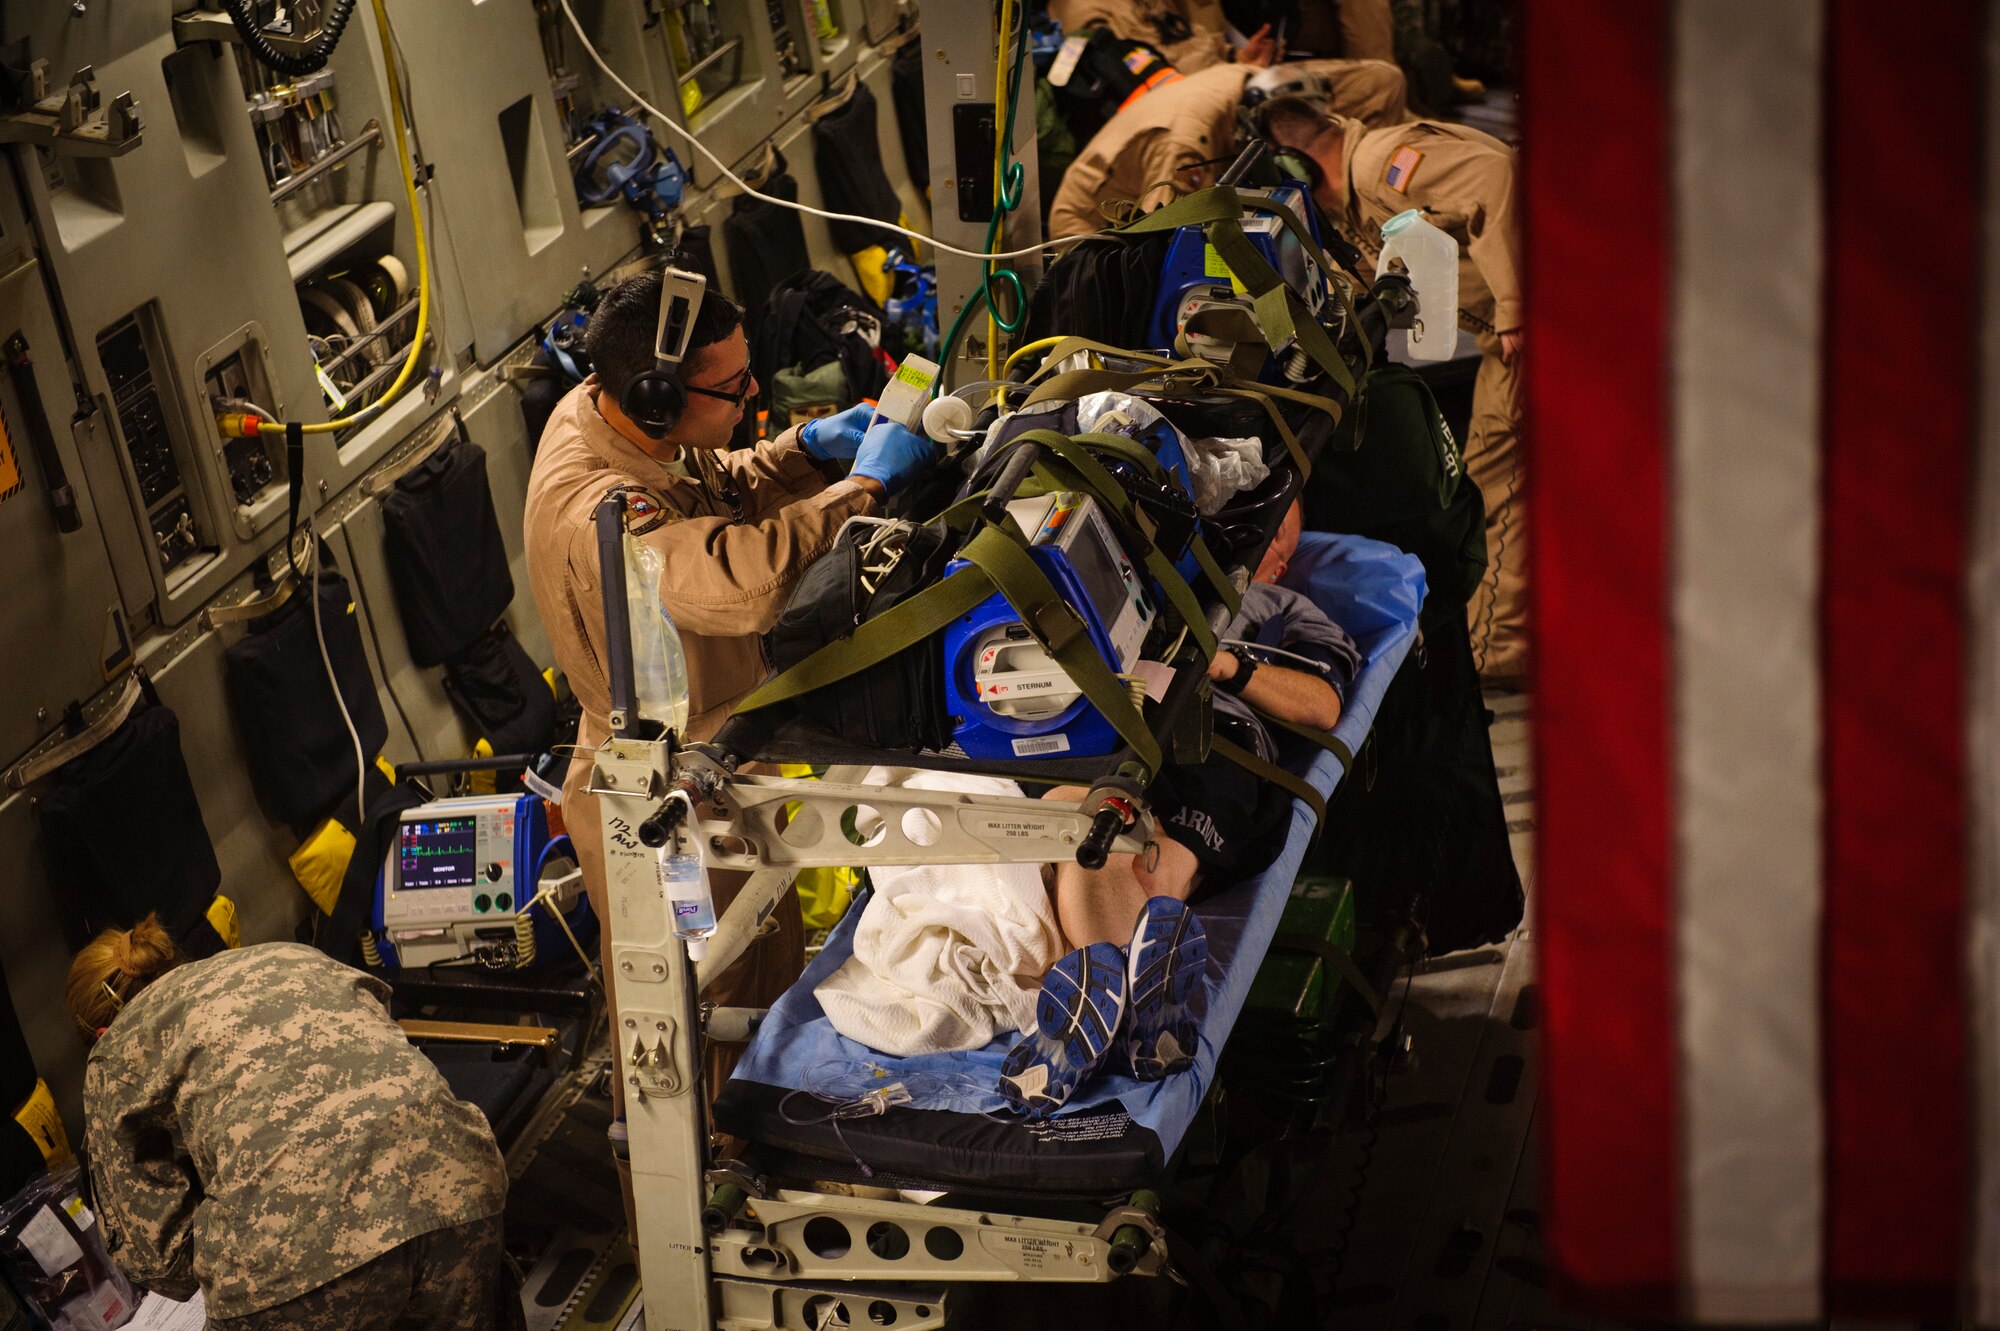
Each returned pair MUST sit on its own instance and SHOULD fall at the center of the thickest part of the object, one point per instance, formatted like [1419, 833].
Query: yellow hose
[1032, 347]
[999, 165]
[398, 114]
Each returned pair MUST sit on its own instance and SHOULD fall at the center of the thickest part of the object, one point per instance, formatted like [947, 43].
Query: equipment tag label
[1066, 58]
[49, 1242]
[1036, 745]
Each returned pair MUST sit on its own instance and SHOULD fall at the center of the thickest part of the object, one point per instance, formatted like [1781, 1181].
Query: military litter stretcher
[766, 1240]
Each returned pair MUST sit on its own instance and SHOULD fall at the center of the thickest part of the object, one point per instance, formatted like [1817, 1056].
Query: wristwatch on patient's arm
[1246, 666]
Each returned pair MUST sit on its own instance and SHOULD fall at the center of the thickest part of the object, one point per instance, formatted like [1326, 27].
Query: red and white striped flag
[1763, 362]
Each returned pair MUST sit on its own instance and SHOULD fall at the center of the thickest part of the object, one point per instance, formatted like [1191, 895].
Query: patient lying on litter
[1098, 968]
[1125, 994]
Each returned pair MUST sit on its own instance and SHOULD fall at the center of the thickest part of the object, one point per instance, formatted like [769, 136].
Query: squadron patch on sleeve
[1402, 166]
[644, 511]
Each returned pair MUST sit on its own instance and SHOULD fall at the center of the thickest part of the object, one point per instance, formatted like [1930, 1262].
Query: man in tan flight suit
[736, 529]
[1463, 181]
[1190, 33]
[1177, 138]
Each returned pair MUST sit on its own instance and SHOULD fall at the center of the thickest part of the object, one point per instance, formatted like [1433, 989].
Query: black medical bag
[122, 832]
[494, 683]
[301, 755]
[446, 558]
[897, 703]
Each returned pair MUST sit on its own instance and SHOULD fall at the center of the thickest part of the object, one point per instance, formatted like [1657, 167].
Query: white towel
[945, 956]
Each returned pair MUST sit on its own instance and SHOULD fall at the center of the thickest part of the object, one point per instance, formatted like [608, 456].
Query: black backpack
[810, 319]
[1103, 288]
[1396, 474]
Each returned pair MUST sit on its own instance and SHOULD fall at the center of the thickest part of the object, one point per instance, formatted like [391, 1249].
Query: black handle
[1253, 152]
[1104, 830]
[1019, 463]
[62, 499]
[501, 762]
[610, 520]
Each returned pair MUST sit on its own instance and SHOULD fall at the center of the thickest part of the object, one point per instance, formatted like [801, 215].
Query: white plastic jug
[1431, 258]
[659, 663]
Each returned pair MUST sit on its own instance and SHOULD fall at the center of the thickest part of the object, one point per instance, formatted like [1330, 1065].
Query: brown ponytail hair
[113, 967]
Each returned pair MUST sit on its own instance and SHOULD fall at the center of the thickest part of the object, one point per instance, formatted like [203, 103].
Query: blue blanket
[1373, 591]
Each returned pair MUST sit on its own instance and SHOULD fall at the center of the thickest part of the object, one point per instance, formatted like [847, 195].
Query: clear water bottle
[684, 879]
[1430, 256]
[659, 664]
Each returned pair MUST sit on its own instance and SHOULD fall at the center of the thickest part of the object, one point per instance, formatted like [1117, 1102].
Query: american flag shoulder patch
[1402, 165]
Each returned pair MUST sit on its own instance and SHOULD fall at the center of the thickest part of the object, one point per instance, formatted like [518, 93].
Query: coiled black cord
[242, 14]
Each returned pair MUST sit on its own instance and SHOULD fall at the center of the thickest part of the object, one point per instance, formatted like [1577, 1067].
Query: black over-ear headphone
[655, 399]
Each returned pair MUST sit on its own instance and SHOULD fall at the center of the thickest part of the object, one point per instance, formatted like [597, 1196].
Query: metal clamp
[652, 1067]
[75, 120]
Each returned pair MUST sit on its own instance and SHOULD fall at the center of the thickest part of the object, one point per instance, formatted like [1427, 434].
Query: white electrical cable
[319, 634]
[675, 125]
[1317, 667]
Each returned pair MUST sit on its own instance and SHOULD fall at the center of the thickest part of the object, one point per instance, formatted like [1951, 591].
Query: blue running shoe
[1076, 1019]
[1166, 964]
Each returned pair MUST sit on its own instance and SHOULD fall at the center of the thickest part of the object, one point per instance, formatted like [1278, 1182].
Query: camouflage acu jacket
[258, 1125]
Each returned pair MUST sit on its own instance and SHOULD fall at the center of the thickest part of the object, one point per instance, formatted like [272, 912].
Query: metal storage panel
[487, 115]
[56, 623]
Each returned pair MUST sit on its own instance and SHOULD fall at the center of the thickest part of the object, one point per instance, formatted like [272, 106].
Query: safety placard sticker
[10, 466]
[40, 1120]
[1212, 265]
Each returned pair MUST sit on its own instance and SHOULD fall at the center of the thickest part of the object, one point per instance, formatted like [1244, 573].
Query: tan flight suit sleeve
[774, 473]
[726, 578]
[1375, 92]
[1120, 16]
[1367, 30]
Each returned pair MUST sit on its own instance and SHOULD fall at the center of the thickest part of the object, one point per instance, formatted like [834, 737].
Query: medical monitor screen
[443, 852]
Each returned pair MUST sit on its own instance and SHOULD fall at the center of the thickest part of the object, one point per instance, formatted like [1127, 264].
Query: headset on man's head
[656, 398]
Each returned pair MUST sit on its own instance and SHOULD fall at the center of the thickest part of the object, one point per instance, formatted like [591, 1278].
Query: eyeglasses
[736, 392]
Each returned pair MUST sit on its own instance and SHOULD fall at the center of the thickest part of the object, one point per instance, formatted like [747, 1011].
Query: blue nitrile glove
[894, 456]
[831, 437]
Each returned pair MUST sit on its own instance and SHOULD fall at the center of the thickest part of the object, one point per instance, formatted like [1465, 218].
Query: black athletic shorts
[1234, 822]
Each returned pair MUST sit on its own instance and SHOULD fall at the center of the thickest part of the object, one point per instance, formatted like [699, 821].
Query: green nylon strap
[999, 562]
[1095, 480]
[877, 639]
[1196, 209]
[1271, 772]
[1280, 313]
[1062, 634]
[1142, 457]
[1322, 738]
[1283, 317]
[1070, 385]
[1284, 427]
[1070, 346]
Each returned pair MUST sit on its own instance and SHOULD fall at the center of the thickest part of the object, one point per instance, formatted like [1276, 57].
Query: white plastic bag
[659, 664]
[1221, 468]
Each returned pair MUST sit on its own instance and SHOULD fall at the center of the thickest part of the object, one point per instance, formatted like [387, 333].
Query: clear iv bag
[659, 664]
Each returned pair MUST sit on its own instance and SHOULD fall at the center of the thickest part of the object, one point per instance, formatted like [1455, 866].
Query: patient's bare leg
[1102, 905]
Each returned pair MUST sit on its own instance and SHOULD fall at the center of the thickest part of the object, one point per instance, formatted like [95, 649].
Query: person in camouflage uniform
[259, 1127]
